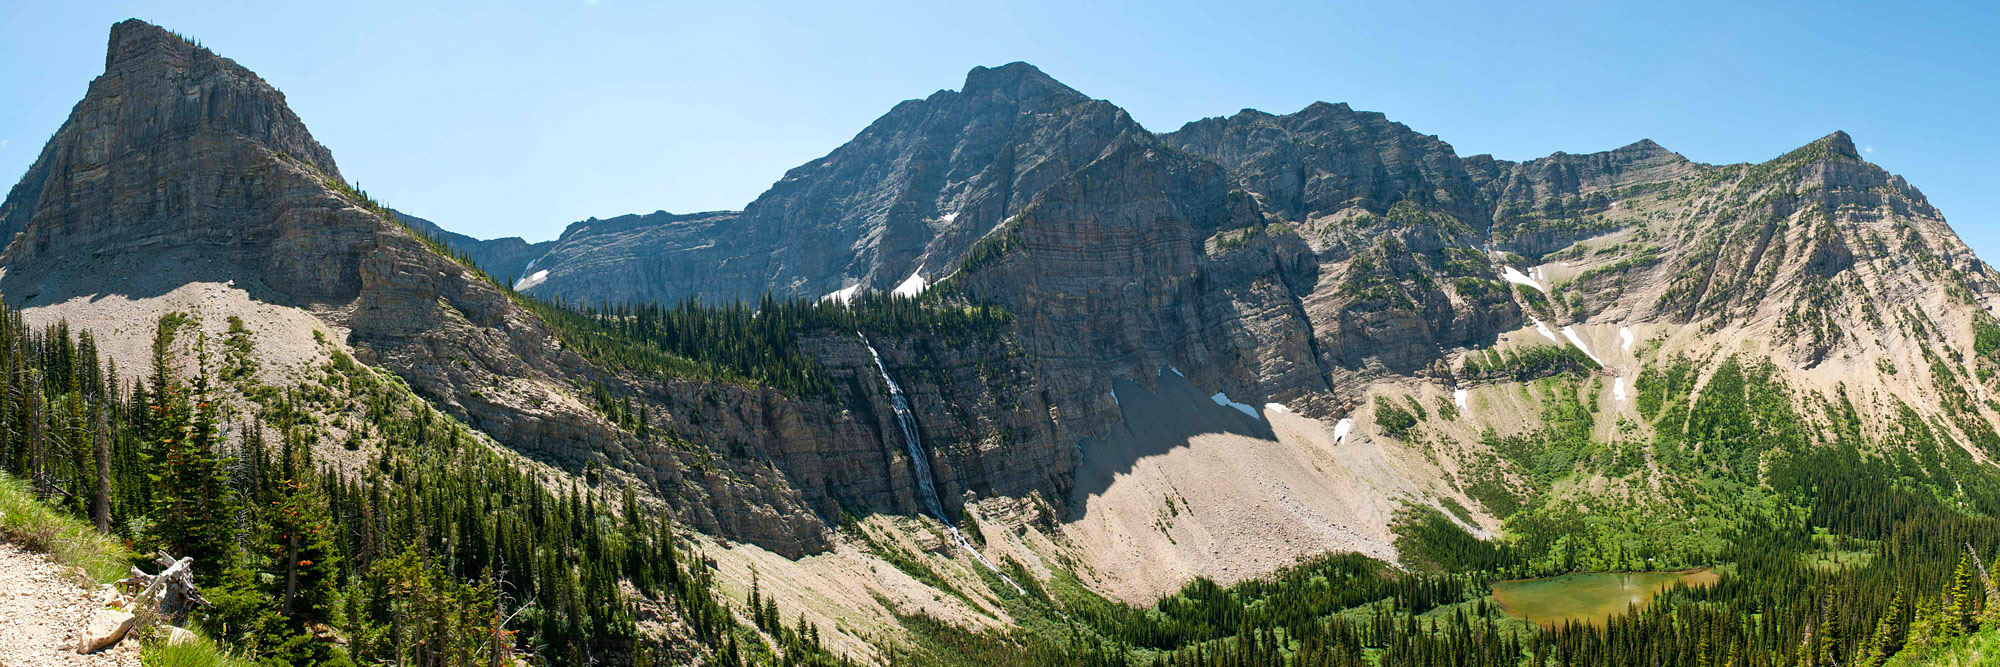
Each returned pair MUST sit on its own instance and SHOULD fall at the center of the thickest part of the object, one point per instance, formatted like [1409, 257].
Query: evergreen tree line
[437, 550]
[761, 343]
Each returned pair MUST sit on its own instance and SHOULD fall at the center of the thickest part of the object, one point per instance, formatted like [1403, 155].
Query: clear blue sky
[500, 119]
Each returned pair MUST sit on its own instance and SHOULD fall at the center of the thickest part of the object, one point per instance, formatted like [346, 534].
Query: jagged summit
[175, 143]
[136, 43]
[908, 195]
[1016, 77]
[1644, 147]
[1839, 143]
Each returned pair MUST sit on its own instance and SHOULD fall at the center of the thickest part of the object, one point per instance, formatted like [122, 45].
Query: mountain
[902, 199]
[183, 195]
[1009, 379]
[1336, 265]
[505, 258]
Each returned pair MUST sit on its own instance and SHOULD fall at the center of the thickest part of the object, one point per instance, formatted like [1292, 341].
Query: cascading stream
[927, 487]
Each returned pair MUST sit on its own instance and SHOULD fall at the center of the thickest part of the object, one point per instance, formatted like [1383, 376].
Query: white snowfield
[1276, 407]
[1222, 399]
[1340, 429]
[1515, 276]
[1458, 399]
[1625, 338]
[532, 280]
[1570, 333]
[1618, 389]
[912, 285]
[1544, 329]
[843, 295]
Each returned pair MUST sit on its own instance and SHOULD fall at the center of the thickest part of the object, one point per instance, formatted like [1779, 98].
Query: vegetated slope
[1616, 360]
[1653, 353]
[182, 192]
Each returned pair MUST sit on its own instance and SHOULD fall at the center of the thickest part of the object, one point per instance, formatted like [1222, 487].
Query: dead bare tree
[171, 594]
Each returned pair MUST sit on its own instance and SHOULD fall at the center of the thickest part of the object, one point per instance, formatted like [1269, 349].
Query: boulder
[105, 628]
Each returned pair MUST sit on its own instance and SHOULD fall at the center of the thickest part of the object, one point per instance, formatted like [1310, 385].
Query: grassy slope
[1979, 648]
[66, 539]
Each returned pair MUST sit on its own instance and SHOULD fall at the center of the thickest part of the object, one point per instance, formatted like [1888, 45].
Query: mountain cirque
[1327, 265]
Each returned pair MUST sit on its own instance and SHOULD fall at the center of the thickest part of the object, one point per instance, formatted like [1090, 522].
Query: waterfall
[921, 460]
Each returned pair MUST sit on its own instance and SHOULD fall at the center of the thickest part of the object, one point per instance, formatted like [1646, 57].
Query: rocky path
[41, 611]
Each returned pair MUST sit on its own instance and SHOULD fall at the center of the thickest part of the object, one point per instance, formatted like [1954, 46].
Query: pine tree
[1925, 630]
[1885, 641]
[1960, 608]
[195, 518]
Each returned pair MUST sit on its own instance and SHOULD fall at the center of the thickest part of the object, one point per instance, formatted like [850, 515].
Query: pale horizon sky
[514, 119]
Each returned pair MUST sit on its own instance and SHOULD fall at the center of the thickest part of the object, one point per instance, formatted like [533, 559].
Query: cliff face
[1328, 157]
[175, 146]
[1543, 205]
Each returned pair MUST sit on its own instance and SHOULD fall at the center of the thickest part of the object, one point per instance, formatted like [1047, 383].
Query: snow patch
[912, 285]
[1618, 389]
[1276, 407]
[845, 295]
[1514, 275]
[1625, 338]
[1570, 333]
[1176, 371]
[1458, 398]
[1340, 429]
[948, 217]
[1222, 399]
[1544, 329]
[537, 278]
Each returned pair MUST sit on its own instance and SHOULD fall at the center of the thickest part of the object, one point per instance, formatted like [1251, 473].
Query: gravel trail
[41, 611]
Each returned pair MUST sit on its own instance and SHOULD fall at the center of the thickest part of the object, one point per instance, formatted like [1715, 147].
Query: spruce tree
[1961, 609]
[194, 518]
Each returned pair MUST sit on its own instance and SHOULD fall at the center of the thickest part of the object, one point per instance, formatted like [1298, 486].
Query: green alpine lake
[1590, 597]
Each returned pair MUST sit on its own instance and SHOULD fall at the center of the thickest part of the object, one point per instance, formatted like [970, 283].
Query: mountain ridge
[1081, 319]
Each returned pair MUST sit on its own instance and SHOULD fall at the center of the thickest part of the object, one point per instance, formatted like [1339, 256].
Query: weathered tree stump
[171, 594]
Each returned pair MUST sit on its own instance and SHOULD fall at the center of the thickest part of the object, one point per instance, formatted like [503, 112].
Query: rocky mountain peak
[136, 43]
[1328, 157]
[1647, 149]
[1839, 144]
[163, 103]
[1017, 79]
[152, 63]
